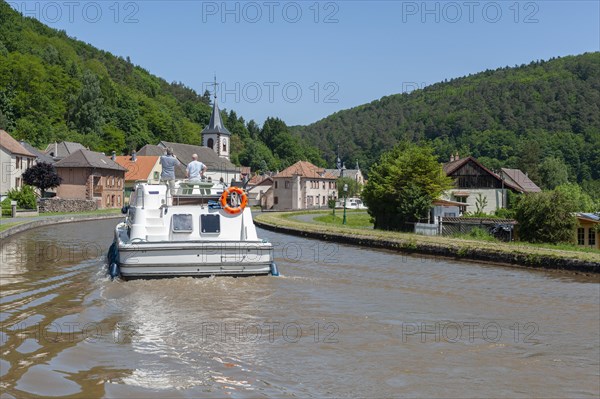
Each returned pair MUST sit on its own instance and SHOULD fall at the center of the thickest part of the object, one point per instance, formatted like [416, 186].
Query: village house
[63, 149]
[475, 183]
[139, 168]
[92, 176]
[588, 230]
[15, 159]
[517, 178]
[303, 186]
[354, 174]
[260, 191]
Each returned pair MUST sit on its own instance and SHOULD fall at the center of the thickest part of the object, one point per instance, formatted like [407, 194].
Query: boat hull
[171, 259]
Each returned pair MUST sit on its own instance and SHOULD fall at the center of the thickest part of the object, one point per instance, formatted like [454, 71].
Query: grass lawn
[9, 225]
[353, 219]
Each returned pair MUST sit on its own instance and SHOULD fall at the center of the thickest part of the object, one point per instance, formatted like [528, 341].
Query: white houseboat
[188, 229]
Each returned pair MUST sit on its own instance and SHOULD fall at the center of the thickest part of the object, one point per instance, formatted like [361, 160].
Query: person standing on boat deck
[195, 169]
[168, 163]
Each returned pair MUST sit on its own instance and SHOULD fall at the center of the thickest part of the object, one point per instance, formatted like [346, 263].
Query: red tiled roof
[11, 145]
[140, 169]
[305, 169]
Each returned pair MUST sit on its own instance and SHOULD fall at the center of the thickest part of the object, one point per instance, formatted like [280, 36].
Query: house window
[591, 237]
[17, 182]
[323, 200]
[224, 146]
[323, 185]
[581, 236]
[276, 200]
[309, 199]
[18, 159]
[108, 200]
[118, 200]
[276, 187]
[210, 144]
[156, 175]
[287, 184]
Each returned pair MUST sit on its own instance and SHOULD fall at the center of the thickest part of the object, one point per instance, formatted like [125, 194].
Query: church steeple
[215, 135]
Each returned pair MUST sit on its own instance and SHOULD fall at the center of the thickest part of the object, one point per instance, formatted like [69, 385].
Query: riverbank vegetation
[411, 241]
[402, 185]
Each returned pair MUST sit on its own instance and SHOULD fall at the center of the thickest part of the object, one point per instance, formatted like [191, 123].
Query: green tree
[402, 185]
[553, 172]
[43, 176]
[581, 200]
[353, 187]
[546, 217]
[87, 109]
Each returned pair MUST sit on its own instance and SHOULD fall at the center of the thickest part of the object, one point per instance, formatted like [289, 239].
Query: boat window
[183, 223]
[210, 223]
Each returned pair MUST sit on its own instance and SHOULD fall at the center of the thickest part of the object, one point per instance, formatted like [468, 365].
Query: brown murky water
[341, 322]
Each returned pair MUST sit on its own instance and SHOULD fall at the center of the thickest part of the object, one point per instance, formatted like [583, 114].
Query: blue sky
[304, 60]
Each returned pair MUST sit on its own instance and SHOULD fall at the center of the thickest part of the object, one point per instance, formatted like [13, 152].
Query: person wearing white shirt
[195, 169]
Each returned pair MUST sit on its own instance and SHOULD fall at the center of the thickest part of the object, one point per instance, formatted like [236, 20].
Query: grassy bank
[518, 253]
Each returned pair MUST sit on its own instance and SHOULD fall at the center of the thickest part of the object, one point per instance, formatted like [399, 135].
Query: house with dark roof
[475, 185]
[355, 173]
[63, 149]
[92, 176]
[15, 159]
[40, 155]
[217, 167]
[303, 186]
[519, 179]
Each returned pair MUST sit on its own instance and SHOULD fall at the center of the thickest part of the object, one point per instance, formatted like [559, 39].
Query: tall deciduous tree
[553, 173]
[87, 109]
[43, 176]
[402, 185]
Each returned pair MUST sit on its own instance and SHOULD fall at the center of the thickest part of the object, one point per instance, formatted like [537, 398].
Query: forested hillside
[543, 117]
[53, 87]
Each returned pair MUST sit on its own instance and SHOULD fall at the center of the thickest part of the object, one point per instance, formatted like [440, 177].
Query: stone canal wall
[465, 252]
[67, 205]
[45, 221]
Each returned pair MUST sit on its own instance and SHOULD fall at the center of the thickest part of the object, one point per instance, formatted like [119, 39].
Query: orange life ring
[233, 210]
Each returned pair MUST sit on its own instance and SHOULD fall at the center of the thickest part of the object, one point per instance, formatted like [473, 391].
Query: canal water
[340, 322]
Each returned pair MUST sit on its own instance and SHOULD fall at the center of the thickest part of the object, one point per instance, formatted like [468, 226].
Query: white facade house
[15, 160]
[303, 186]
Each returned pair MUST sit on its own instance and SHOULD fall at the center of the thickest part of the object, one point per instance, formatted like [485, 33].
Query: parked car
[351, 203]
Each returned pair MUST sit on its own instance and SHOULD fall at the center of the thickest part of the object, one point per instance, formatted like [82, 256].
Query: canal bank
[18, 225]
[512, 254]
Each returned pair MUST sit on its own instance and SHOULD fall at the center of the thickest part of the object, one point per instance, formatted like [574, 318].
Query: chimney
[134, 156]
[451, 157]
[456, 158]
[114, 155]
[55, 149]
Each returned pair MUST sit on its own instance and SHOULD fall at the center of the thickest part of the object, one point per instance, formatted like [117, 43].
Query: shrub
[546, 217]
[25, 197]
